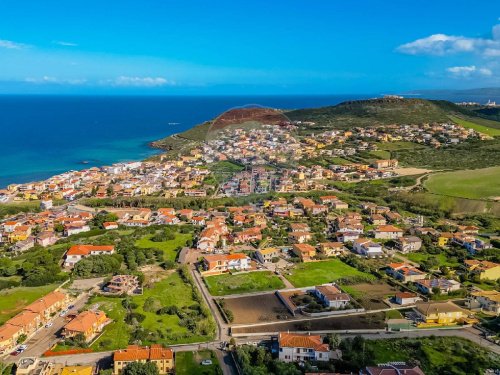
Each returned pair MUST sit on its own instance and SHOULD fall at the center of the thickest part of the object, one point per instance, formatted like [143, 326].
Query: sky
[247, 47]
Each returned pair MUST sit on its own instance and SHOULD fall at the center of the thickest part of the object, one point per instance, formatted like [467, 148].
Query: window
[320, 355]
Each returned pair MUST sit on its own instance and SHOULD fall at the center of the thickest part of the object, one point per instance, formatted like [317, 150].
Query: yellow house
[442, 313]
[444, 238]
[77, 370]
[485, 269]
[162, 357]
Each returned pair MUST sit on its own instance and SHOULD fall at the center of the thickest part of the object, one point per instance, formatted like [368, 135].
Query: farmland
[221, 285]
[474, 184]
[316, 273]
[256, 309]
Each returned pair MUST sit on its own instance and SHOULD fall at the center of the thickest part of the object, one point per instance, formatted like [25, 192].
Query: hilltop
[359, 113]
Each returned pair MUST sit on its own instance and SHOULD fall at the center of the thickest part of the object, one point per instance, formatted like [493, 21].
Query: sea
[41, 136]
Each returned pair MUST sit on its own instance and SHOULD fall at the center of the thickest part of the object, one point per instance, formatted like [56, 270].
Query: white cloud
[55, 81]
[9, 44]
[64, 44]
[468, 71]
[125, 81]
[442, 44]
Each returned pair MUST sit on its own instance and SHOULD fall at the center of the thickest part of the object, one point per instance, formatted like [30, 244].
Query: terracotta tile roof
[217, 257]
[7, 331]
[23, 319]
[44, 303]
[85, 321]
[136, 353]
[86, 249]
[290, 340]
[388, 228]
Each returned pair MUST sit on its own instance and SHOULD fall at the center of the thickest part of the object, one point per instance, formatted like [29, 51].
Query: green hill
[384, 111]
[360, 113]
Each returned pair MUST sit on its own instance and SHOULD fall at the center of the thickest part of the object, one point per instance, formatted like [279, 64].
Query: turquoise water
[45, 135]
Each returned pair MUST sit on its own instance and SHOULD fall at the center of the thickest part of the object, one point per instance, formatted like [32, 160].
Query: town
[257, 247]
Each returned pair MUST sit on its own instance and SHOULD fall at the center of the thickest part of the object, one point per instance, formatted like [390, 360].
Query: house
[296, 348]
[440, 312]
[364, 246]
[46, 239]
[331, 296]
[385, 164]
[486, 270]
[226, 262]
[299, 237]
[9, 335]
[377, 219]
[388, 232]
[77, 370]
[300, 227]
[331, 249]
[48, 305]
[109, 225]
[267, 255]
[162, 357]
[87, 323]
[408, 244]
[70, 229]
[445, 286]
[122, 284]
[489, 300]
[304, 251]
[28, 321]
[248, 235]
[347, 236]
[392, 369]
[443, 238]
[78, 252]
[406, 298]
[405, 272]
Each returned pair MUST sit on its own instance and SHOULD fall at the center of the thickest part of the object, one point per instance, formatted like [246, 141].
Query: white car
[64, 312]
[22, 348]
[206, 362]
[49, 324]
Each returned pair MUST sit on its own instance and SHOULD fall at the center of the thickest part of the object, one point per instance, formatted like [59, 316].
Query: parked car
[206, 362]
[49, 324]
[15, 352]
[63, 313]
[23, 347]
[70, 307]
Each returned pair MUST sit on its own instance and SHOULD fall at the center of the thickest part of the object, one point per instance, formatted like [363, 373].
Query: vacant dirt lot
[256, 309]
[371, 296]
[369, 321]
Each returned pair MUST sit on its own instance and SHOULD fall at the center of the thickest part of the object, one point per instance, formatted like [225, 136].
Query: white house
[388, 232]
[294, 348]
[364, 246]
[331, 296]
[78, 252]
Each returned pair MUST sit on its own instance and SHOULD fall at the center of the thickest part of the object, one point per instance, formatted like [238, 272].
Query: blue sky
[251, 47]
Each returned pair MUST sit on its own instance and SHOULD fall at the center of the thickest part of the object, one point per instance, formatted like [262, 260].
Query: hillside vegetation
[385, 111]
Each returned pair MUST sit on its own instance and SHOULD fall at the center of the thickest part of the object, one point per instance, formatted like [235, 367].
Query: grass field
[165, 329]
[400, 145]
[315, 273]
[14, 300]
[168, 247]
[441, 258]
[221, 285]
[381, 154]
[436, 353]
[493, 132]
[187, 363]
[474, 184]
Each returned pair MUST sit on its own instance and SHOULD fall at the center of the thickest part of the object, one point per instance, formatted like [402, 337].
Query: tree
[138, 368]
